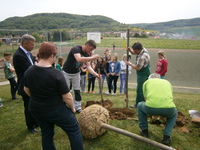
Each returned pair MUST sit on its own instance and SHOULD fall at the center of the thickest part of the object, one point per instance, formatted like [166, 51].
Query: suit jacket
[21, 63]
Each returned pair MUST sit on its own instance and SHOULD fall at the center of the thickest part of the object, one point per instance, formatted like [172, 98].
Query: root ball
[90, 120]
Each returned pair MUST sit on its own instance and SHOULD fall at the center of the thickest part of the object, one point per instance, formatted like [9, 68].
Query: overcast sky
[123, 11]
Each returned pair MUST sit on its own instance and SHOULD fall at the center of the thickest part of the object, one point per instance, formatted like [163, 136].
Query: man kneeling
[158, 94]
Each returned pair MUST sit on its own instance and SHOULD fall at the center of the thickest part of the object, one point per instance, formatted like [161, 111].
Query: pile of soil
[106, 103]
[121, 113]
[125, 113]
[115, 113]
[181, 120]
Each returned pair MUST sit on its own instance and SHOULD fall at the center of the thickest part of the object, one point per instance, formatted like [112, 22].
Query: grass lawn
[14, 135]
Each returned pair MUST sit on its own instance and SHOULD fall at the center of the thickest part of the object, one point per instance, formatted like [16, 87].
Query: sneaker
[1, 104]
[133, 106]
[107, 93]
[92, 92]
[88, 92]
[144, 133]
[113, 93]
[166, 139]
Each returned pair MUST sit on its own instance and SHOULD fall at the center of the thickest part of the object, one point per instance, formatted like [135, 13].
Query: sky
[123, 11]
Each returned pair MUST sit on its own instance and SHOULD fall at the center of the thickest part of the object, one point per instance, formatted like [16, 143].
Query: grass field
[14, 135]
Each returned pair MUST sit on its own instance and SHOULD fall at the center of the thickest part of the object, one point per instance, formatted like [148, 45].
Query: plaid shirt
[143, 59]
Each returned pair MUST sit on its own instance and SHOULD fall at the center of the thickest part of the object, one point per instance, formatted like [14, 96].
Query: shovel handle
[138, 137]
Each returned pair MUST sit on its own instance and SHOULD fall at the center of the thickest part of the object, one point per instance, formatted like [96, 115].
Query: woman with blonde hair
[114, 71]
[123, 74]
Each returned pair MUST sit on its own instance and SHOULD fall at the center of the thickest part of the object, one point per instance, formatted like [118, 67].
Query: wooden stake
[127, 53]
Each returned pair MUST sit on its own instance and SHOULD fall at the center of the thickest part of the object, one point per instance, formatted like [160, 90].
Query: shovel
[100, 83]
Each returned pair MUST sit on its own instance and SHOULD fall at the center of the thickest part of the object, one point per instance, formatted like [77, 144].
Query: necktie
[29, 57]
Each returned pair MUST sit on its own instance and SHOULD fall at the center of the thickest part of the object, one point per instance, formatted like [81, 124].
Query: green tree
[1, 43]
[56, 36]
[65, 35]
[37, 37]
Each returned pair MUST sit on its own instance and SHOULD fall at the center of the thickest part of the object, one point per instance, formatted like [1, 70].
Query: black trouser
[114, 80]
[30, 121]
[13, 87]
[91, 81]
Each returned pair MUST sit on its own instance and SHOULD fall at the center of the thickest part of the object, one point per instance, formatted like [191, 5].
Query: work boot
[144, 133]
[166, 139]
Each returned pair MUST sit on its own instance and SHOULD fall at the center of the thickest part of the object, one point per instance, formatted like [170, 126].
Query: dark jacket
[21, 64]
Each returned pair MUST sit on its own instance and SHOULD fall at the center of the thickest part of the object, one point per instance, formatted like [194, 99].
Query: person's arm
[118, 68]
[89, 68]
[85, 59]
[67, 98]
[164, 67]
[27, 91]
[132, 65]
[11, 68]
[131, 51]
[83, 69]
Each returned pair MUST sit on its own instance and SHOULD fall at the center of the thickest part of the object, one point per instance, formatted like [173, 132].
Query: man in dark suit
[22, 60]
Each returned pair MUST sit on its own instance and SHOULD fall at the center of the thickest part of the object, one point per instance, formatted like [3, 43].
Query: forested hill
[165, 26]
[59, 21]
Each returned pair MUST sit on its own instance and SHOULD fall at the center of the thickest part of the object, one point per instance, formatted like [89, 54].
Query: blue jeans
[169, 113]
[82, 82]
[122, 83]
[64, 118]
[103, 76]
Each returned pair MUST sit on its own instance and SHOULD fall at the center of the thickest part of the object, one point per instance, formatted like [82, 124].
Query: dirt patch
[181, 120]
[121, 113]
[125, 113]
[115, 113]
[106, 103]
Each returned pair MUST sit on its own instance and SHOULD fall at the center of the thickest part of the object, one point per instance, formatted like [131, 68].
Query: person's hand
[127, 62]
[73, 110]
[96, 56]
[112, 74]
[98, 76]
[128, 49]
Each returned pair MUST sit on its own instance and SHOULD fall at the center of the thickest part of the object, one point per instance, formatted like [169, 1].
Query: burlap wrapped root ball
[90, 120]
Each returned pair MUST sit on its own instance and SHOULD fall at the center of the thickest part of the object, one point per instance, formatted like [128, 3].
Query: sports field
[183, 68]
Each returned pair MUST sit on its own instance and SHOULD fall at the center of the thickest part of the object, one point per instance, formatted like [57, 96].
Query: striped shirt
[143, 59]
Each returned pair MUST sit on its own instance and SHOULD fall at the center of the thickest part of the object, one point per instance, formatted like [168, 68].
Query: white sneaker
[107, 93]
[113, 93]
[1, 104]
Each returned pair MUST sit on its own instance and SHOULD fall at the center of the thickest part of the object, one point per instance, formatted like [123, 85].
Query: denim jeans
[103, 76]
[82, 83]
[122, 83]
[169, 113]
[64, 118]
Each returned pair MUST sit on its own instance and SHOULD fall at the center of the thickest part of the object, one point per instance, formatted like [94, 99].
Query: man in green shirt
[158, 94]
[142, 68]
